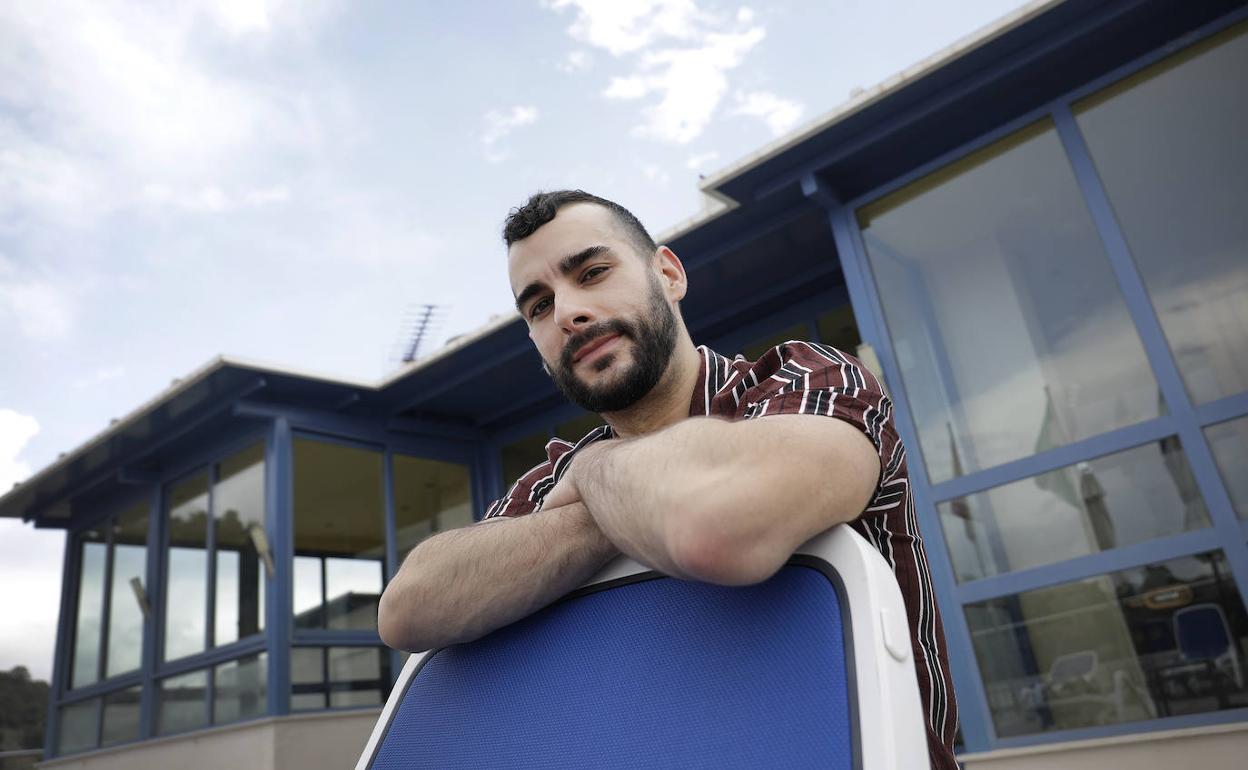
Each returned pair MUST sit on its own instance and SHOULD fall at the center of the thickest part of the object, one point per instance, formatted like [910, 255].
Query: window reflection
[1124, 498]
[238, 500]
[182, 703]
[1168, 144]
[1006, 319]
[93, 553]
[240, 689]
[576, 429]
[121, 717]
[521, 455]
[754, 350]
[339, 677]
[125, 622]
[429, 497]
[186, 584]
[339, 518]
[1160, 640]
[78, 727]
[1229, 443]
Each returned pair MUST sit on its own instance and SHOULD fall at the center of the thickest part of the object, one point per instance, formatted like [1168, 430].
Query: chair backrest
[1202, 632]
[811, 668]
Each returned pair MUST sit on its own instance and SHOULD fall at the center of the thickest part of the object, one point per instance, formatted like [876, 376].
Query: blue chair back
[641, 671]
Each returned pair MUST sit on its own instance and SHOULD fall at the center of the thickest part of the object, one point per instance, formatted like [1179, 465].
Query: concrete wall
[320, 741]
[1197, 748]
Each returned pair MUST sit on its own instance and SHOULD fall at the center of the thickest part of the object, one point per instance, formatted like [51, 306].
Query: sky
[284, 180]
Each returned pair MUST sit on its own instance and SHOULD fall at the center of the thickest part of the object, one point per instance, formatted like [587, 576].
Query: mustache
[586, 336]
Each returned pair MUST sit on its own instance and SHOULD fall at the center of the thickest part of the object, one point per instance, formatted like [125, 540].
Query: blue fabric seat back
[656, 673]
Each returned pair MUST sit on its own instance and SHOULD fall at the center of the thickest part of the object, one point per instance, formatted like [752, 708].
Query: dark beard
[655, 340]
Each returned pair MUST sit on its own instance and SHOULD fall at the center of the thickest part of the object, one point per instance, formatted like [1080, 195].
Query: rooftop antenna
[419, 324]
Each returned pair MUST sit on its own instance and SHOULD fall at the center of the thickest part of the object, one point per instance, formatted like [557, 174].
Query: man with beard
[708, 468]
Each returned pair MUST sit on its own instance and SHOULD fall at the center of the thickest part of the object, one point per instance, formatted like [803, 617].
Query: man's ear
[671, 273]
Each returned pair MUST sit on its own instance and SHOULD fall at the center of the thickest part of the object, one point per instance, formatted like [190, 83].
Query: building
[1039, 237]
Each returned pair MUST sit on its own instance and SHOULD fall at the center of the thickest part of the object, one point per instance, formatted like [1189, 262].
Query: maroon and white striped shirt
[808, 378]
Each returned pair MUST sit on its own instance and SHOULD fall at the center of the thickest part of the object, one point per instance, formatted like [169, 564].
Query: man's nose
[572, 315]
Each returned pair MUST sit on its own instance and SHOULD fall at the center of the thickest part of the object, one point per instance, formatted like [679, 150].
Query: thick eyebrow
[566, 265]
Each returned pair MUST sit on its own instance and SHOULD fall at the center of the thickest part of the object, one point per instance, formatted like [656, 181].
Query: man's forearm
[462, 584]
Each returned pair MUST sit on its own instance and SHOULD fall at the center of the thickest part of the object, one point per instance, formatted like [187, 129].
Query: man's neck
[668, 402]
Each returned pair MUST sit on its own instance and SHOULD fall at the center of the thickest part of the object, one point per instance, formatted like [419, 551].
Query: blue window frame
[1187, 423]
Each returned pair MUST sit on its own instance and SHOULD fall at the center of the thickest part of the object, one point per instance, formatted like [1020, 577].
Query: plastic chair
[812, 668]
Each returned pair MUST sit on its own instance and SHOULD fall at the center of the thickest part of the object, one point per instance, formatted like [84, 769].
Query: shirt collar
[713, 374]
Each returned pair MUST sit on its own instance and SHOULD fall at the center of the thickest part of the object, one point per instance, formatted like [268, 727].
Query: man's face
[599, 312]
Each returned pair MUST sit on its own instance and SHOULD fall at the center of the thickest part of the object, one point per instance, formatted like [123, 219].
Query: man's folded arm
[459, 585]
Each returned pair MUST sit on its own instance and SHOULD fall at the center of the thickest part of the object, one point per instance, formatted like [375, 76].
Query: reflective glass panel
[1161, 640]
[121, 716]
[238, 500]
[1006, 319]
[429, 497]
[339, 518]
[186, 584]
[181, 704]
[125, 621]
[1229, 443]
[575, 429]
[240, 689]
[307, 679]
[838, 328]
[358, 676]
[78, 727]
[754, 350]
[93, 555]
[521, 455]
[1124, 498]
[1168, 144]
[309, 597]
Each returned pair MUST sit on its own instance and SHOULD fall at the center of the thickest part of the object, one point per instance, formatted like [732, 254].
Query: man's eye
[539, 307]
[593, 273]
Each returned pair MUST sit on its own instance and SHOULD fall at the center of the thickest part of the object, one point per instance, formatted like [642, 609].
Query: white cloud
[211, 199]
[103, 374]
[656, 173]
[626, 88]
[681, 56]
[101, 97]
[623, 28]
[696, 162]
[15, 431]
[576, 61]
[779, 114]
[498, 126]
[43, 311]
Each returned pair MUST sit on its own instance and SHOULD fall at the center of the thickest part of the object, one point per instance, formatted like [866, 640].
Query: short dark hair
[541, 207]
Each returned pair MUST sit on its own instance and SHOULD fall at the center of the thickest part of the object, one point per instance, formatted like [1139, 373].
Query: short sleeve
[809, 378]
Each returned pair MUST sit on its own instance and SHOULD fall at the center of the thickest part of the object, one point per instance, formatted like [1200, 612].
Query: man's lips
[589, 347]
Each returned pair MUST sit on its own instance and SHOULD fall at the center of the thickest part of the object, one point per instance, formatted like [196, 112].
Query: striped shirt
[808, 378]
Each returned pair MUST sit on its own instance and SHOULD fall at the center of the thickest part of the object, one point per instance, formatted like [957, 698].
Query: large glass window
[429, 497]
[340, 542]
[92, 561]
[1229, 442]
[339, 677]
[1168, 144]
[1007, 322]
[1159, 640]
[238, 515]
[240, 689]
[754, 350]
[121, 716]
[1128, 497]
[521, 455]
[182, 704]
[125, 622]
[186, 583]
[79, 729]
